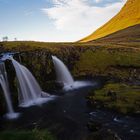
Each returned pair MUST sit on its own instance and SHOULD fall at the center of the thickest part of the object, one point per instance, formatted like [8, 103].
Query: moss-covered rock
[117, 96]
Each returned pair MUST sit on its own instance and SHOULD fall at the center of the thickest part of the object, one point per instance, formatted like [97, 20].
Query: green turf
[119, 97]
[26, 135]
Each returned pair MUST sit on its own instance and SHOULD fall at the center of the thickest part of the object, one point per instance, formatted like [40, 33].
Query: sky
[54, 20]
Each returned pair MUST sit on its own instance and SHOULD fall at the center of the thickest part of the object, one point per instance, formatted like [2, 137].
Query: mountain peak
[128, 16]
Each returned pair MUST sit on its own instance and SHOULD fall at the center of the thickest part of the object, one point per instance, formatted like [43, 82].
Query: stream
[67, 117]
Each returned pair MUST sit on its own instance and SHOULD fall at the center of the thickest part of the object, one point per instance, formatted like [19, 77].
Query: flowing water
[64, 76]
[29, 90]
[67, 118]
[62, 72]
[127, 127]
[5, 87]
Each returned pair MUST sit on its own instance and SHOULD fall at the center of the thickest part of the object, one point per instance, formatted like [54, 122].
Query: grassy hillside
[31, 45]
[34, 45]
[122, 63]
[107, 56]
[128, 16]
[129, 37]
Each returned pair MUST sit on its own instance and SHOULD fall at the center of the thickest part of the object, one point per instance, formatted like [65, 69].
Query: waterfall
[29, 90]
[65, 78]
[5, 87]
[63, 75]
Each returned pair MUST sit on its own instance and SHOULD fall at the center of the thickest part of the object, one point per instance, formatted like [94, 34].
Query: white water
[65, 78]
[5, 87]
[29, 90]
[62, 72]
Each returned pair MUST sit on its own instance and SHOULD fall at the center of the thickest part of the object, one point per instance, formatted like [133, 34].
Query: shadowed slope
[126, 37]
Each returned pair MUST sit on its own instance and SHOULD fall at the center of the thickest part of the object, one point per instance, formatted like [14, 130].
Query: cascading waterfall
[29, 90]
[65, 78]
[63, 75]
[5, 87]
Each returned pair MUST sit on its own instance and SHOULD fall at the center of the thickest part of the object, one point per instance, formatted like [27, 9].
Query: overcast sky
[54, 20]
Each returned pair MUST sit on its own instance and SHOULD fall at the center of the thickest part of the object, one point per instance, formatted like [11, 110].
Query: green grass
[35, 134]
[107, 62]
[107, 59]
[34, 45]
[30, 46]
[117, 96]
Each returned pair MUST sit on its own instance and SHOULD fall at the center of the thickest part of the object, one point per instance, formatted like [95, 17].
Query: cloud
[78, 17]
[97, 1]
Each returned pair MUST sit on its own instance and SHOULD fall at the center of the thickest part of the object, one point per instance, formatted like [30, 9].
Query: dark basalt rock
[94, 126]
[112, 94]
[104, 135]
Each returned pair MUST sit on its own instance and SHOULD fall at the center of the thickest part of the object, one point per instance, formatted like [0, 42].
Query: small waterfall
[65, 78]
[63, 75]
[29, 90]
[5, 87]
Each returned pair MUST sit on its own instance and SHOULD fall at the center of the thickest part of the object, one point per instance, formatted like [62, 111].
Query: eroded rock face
[39, 62]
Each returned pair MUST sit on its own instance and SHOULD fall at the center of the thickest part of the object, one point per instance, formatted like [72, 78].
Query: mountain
[128, 16]
[129, 37]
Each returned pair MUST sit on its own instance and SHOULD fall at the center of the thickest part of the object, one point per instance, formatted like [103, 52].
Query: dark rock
[94, 126]
[112, 94]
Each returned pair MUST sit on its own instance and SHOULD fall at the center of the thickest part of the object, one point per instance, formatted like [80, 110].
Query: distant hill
[129, 37]
[128, 16]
